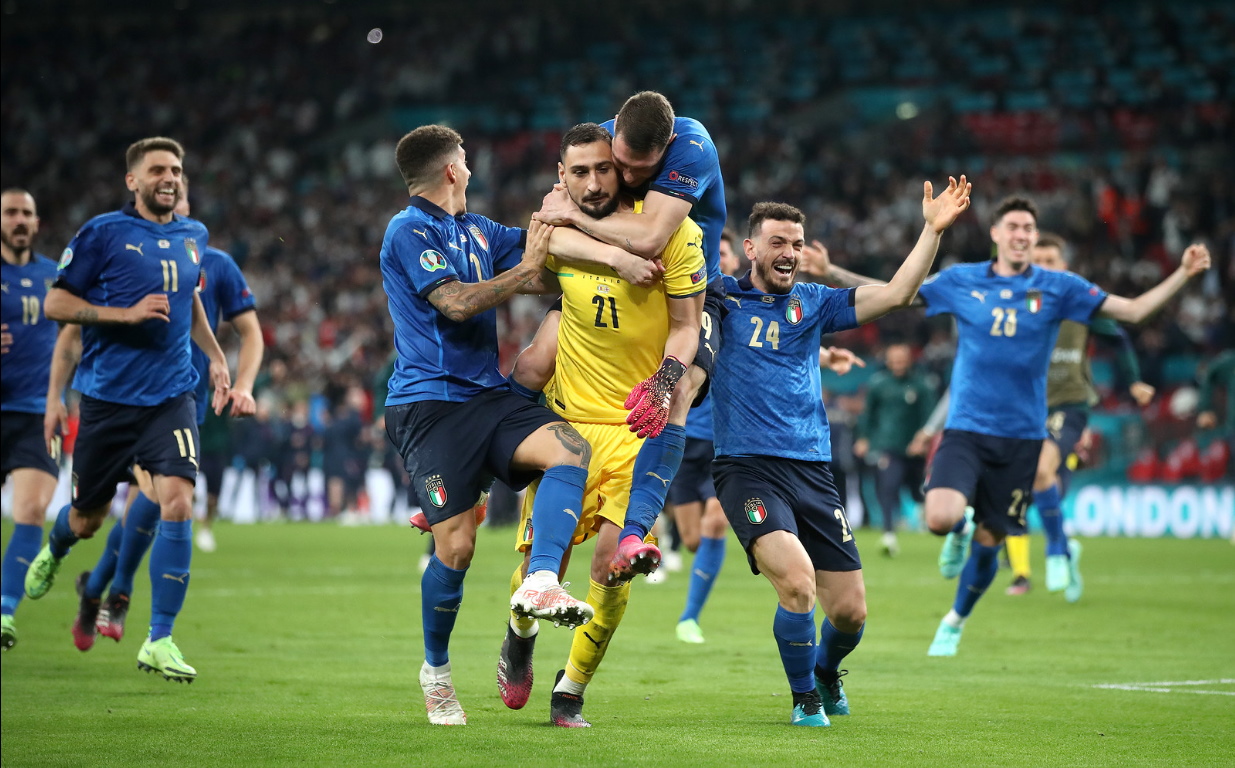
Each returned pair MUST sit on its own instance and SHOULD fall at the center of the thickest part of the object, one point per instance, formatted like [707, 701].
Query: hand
[537, 248]
[557, 208]
[55, 426]
[941, 211]
[221, 383]
[1142, 393]
[860, 447]
[637, 270]
[1206, 420]
[648, 402]
[242, 402]
[1195, 260]
[919, 445]
[841, 361]
[815, 260]
[152, 307]
[6, 339]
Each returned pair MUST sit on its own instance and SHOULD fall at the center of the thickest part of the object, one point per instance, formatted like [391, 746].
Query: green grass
[307, 643]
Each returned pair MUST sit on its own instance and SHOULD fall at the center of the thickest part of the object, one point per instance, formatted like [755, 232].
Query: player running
[612, 335]
[28, 338]
[696, 510]
[224, 295]
[444, 270]
[773, 446]
[1007, 316]
[672, 163]
[1069, 396]
[129, 278]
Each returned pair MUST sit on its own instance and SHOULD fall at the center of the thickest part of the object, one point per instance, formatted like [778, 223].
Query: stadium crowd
[1115, 118]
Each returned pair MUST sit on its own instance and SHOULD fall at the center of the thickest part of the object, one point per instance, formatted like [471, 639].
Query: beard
[608, 206]
[772, 279]
[150, 199]
[9, 241]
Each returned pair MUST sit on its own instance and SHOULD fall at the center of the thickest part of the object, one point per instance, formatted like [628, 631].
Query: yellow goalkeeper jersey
[613, 333]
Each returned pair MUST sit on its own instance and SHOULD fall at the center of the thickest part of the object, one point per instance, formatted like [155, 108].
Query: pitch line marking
[1179, 686]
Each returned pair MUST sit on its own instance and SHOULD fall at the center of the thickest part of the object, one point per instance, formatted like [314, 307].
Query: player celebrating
[673, 163]
[1007, 315]
[696, 510]
[224, 294]
[1069, 396]
[612, 336]
[129, 278]
[444, 270]
[28, 338]
[773, 446]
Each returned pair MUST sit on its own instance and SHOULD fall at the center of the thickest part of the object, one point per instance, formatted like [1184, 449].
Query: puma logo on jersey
[698, 144]
[735, 300]
[417, 231]
[979, 295]
[131, 247]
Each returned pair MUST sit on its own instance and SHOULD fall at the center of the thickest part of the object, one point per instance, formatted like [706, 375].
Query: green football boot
[956, 549]
[1076, 585]
[162, 656]
[835, 702]
[808, 710]
[42, 573]
[947, 639]
[689, 631]
[8, 632]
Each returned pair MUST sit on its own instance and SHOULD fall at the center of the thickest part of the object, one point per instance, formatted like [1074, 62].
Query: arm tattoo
[572, 441]
[585, 230]
[461, 301]
[86, 316]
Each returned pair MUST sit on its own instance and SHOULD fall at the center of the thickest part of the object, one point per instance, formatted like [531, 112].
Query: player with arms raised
[28, 338]
[1007, 318]
[130, 279]
[773, 444]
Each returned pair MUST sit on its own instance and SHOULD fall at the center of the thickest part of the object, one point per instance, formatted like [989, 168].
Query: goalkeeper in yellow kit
[614, 338]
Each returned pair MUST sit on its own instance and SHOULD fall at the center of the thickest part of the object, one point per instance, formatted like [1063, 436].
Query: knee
[849, 615]
[455, 551]
[1045, 478]
[85, 525]
[715, 526]
[797, 591]
[939, 520]
[942, 511]
[177, 509]
[690, 541]
[30, 512]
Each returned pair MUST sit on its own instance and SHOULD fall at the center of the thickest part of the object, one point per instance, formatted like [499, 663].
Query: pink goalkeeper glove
[648, 402]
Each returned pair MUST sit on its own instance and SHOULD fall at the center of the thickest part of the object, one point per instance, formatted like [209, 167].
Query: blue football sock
[835, 645]
[1052, 520]
[960, 525]
[103, 570]
[708, 560]
[24, 546]
[61, 539]
[441, 594]
[655, 467]
[169, 574]
[976, 576]
[555, 514]
[140, 526]
[795, 636]
[526, 393]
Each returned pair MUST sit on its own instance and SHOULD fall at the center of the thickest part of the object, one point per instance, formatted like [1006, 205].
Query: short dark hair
[581, 134]
[1015, 203]
[16, 191]
[729, 236]
[423, 151]
[774, 211]
[645, 122]
[138, 150]
[1051, 240]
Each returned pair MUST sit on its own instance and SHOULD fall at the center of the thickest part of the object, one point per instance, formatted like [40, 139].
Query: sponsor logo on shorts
[1033, 301]
[432, 261]
[755, 511]
[683, 179]
[436, 490]
[793, 312]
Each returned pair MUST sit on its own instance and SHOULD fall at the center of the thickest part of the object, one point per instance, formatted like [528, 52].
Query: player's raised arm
[1136, 311]
[64, 360]
[874, 301]
[461, 301]
[817, 263]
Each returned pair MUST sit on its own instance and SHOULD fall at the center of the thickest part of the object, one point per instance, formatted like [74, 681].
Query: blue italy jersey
[690, 170]
[766, 395]
[1006, 329]
[23, 378]
[699, 421]
[115, 260]
[424, 248]
[224, 294]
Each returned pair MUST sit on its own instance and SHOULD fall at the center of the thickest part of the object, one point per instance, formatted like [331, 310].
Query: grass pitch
[306, 640]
